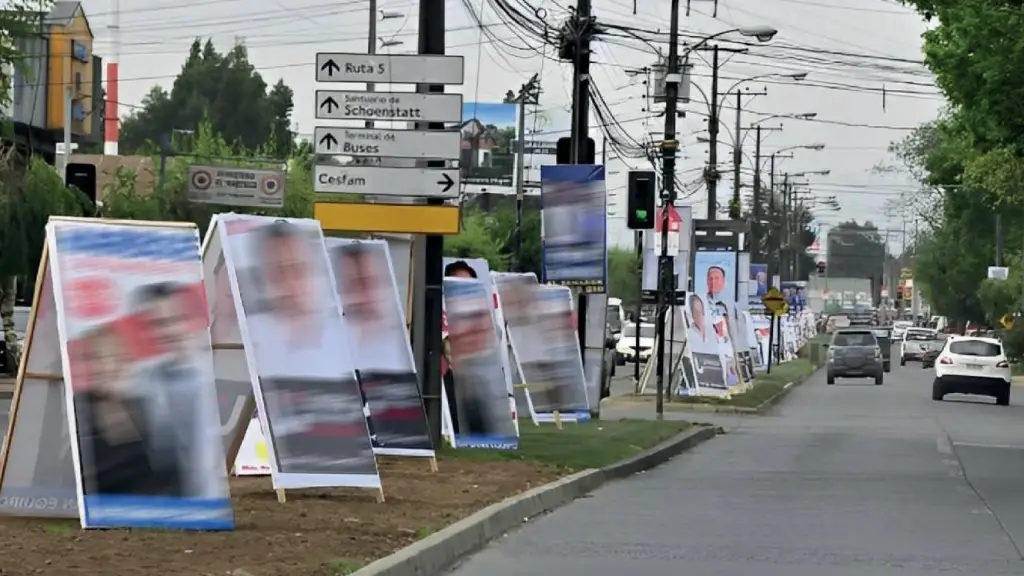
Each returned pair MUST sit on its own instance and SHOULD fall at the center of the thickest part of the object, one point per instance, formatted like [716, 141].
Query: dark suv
[855, 353]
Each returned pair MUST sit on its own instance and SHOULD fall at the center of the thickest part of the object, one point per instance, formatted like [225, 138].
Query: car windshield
[646, 331]
[920, 335]
[843, 339]
[975, 348]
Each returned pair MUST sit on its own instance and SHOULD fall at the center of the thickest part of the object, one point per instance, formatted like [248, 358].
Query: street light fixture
[761, 33]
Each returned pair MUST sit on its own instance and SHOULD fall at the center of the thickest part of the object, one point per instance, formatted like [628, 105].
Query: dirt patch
[316, 533]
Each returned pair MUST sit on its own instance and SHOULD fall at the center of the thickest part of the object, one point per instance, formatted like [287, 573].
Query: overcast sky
[881, 40]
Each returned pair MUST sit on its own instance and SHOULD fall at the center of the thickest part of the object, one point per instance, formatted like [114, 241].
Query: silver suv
[854, 353]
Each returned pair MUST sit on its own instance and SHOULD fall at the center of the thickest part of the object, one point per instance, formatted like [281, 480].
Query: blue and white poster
[574, 226]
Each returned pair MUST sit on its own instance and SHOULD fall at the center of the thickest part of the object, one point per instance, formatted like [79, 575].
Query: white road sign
[389, 69]
[340, 140]
[381, 181]
[236, 186]
[388, 106]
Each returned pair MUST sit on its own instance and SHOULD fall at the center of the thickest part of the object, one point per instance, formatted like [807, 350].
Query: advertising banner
[139, 371]
[236, 186]
[795, 294]
[547, 351]
[574, 226]
[482, 417]
[383, 359]
[299, 353]
[253, 458]
[704, 349]
[513, 290]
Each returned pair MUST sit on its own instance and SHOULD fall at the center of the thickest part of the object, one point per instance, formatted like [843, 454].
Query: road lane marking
[993, 446]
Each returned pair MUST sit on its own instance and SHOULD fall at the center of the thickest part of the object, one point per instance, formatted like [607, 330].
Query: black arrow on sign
[328, 141]
[331, 67]
[330, 103]
[446, 181]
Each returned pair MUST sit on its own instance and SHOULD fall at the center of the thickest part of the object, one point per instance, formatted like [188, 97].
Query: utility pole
[529, 94]
[784, 242]
[428, 250]
[666, 263]
[755, 229]
[371, 47]
[737, 160]
[711, 172]
[773, 233]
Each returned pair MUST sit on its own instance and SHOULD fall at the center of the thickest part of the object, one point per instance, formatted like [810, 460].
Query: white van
[615, 317]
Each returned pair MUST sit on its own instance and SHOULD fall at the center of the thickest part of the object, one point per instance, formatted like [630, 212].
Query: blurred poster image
[140, 371]
[482, 416]
[709, 366]
[309, 402]
[573, 225]
[382, 357]
[546, 347]
[253, 458]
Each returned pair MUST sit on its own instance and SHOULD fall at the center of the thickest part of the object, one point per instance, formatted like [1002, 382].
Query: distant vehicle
[625, 349]
[933, 348]
[20, 317]
[884, 338]
[615, 316]
[971, 365]
[899, 328]
[854, 353]
[913, 345]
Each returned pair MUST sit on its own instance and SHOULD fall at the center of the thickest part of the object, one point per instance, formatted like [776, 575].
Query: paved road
[845, 480]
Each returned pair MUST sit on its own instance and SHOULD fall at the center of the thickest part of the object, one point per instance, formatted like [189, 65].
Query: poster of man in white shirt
[383, 358]
[708, 364]
[307, 392]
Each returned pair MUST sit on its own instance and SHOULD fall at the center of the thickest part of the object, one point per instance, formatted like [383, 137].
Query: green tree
[855, 250]
[27, 200]
[476, 241]
[624, 276]
[227, 90]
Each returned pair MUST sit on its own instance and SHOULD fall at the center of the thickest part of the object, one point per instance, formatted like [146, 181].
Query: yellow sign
[775, 302]
[394, 218]
[906, 274]
[1007, 321]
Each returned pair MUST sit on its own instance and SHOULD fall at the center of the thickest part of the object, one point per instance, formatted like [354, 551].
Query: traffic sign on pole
[775, 301]
[389, 106]
[386, 181]
[339, 140]
[389, 68]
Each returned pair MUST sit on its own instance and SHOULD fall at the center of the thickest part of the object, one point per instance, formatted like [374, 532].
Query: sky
[851, 50]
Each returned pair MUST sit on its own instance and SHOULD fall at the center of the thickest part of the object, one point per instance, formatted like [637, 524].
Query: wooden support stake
[558, 419]
[433, 463]
[280, 495]
[380, 495]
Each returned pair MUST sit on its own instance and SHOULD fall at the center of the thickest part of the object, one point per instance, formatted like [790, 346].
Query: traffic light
[640, 201]
[821, 268]
[83, 177]
[563, 151]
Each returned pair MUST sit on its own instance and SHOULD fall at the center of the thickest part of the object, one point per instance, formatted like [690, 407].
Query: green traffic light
[641, 214]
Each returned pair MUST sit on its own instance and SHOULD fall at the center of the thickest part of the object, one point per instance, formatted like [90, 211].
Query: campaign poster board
[479, 268]
[37, 472]
[714, 281]
[383, 359]
[507, 287]
[548, 355]
[297, 350]
[481, 415]
[757, 287]
[138, 364]
[252, 458]
[574, 226]
[704, 349]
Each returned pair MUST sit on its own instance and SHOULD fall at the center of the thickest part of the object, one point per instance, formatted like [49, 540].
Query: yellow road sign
[774, 301]
[1007, 321]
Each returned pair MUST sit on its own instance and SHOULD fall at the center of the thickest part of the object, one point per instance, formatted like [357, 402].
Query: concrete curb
[439, 551]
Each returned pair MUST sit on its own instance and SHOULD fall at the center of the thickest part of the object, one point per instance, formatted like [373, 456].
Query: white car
[971, 365]
[626, 348]
[915, 344]
[899, 328]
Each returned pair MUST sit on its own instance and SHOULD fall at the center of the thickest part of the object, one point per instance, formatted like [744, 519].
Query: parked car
[972, 365]
[913, 345]
[854, 353]
[626, 349]
[899, 328]
[21, 316]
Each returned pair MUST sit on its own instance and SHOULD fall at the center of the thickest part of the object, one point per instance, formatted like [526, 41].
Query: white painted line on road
[993, 446]
[942, 443]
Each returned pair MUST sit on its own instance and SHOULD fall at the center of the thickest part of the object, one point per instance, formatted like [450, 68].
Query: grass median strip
[334, 531]
[765, 385]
